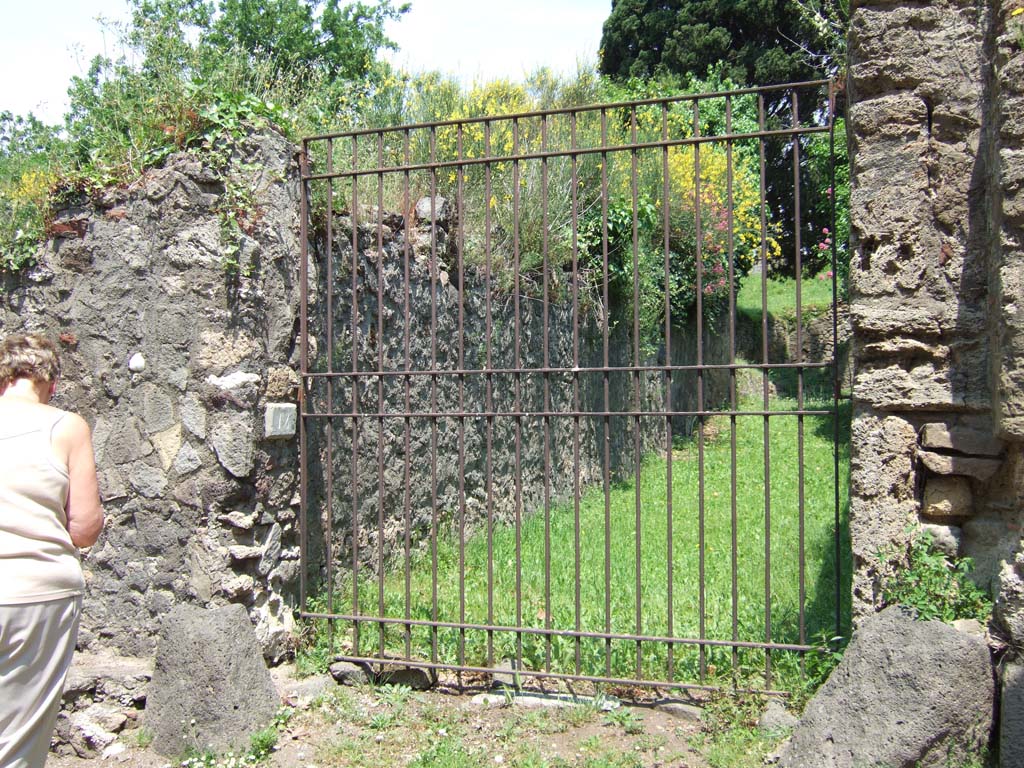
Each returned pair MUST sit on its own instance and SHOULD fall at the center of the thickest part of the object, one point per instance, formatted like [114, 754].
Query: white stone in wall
[233, 380]
[280, 420]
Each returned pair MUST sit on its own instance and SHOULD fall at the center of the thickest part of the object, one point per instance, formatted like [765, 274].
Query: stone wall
[936, 288]
[175, 360]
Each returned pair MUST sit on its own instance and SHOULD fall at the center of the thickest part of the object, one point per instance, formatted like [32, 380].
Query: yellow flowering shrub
[24, 203]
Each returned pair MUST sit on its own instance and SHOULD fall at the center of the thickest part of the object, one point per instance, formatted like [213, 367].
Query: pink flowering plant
[648, 283]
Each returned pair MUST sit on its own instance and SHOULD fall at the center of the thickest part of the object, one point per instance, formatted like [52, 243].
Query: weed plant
[934, 585]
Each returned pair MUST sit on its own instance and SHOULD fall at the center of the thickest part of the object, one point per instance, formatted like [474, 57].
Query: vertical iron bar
[407, 420]
[434, 528]
[733, 507]
[380, 393]
[606, 383]
[545, 311]
[699, 310]
[354, 339]
[799, 373]
[765, 402]
[459, 206]
[304, 255]
[489, 393]
[835, 356]
[666, 222]
[329, 426]
[637, 456]
[517, 393]
[576, 490]
[329, 391]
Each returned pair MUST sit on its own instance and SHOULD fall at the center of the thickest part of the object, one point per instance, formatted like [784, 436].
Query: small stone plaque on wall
[280, 421]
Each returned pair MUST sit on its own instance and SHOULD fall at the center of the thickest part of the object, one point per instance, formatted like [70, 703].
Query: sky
[43, 43]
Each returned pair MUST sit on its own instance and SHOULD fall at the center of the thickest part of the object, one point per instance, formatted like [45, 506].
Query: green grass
[609, 597]
[815, 296]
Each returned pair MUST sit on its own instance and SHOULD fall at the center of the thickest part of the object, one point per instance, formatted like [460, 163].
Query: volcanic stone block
[210, 687]
[906, 693]
[1011, 714]
[960, 439]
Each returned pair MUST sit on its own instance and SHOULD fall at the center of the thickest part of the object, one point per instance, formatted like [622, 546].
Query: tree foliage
[301, 35]
[296, 37]
[756, 41]
[752, 43]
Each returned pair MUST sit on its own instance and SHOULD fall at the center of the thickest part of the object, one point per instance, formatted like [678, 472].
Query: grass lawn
[640, 570]
[815, 295]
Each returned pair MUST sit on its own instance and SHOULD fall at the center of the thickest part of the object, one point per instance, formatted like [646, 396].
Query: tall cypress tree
[761, 42]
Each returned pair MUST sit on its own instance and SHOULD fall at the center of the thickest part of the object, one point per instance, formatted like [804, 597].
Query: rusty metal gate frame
[331, 377]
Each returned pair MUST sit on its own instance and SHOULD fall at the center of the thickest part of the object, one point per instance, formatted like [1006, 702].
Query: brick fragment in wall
[947, 497]
[968, 466]
[965, 440]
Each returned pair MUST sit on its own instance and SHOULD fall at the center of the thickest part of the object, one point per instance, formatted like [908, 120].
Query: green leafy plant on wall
[935, 585]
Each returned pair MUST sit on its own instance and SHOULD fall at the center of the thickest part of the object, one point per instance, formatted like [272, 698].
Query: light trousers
[37, 641]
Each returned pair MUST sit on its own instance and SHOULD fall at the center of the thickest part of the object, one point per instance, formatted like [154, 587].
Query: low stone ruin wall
[457, 468]
[935, 98]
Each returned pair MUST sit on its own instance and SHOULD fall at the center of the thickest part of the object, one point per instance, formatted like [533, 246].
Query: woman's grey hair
[28, 356]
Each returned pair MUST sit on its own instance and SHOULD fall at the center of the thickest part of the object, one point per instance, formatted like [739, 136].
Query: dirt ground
[378, 727]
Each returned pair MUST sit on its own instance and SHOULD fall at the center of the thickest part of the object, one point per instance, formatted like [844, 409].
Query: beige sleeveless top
[37, 559]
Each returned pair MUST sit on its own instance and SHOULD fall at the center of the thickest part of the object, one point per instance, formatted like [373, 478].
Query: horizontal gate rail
[532, 426]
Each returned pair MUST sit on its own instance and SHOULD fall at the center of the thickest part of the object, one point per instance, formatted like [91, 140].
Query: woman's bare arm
[84, 510]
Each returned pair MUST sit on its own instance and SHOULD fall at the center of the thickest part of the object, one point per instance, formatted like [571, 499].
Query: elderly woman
[49, 506]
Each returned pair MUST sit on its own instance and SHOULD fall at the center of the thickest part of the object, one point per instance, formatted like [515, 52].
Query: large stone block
[933, 47]
[960, 439]
[947, 498]
[906, 693]
[234, 442]
[210, 687]
[1011, 717]
[882, 457]
[925, 385]
[968, 466]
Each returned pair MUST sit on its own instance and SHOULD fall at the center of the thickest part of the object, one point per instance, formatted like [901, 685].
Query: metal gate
[541, 422]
